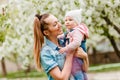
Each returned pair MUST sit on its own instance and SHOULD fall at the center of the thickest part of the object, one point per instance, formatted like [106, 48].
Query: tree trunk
[94, 56]
[27, 70]
[111, 38]
[111, 23]
[112, 41]
[117, 29]
[4, 72]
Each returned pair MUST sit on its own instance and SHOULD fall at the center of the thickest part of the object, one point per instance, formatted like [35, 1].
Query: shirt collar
[52, 45]
[71, 30]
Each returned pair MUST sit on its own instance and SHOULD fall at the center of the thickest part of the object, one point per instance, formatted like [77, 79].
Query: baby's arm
[77, 37]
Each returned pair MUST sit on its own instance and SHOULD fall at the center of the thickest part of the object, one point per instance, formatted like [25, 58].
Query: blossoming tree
[101, 16]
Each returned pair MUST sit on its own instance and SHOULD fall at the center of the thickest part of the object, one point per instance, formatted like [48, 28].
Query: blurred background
[16, 36]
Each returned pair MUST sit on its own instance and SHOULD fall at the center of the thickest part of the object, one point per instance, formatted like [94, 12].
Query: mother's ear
[45, 32]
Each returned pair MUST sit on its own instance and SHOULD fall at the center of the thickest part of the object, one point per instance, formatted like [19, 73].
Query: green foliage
[77, 3]
[3, 27]
[2, 36]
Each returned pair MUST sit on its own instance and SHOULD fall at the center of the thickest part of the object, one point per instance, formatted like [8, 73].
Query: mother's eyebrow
[55, 22]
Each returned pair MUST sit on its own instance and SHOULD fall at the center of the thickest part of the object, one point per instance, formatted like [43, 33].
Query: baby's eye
[65, 19]
[70, 19]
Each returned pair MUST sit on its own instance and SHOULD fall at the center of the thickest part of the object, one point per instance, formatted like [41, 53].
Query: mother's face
[54, 26]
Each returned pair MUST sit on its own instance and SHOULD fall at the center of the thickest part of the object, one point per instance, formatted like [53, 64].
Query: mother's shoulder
[45, 47]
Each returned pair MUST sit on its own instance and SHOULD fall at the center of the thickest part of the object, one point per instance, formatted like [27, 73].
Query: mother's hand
[81, 53]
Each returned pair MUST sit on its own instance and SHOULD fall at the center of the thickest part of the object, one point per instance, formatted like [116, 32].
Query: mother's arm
[82, 54]
[66, 71]
[85, 64]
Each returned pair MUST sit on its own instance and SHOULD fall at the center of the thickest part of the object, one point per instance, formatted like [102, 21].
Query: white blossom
[19, 35]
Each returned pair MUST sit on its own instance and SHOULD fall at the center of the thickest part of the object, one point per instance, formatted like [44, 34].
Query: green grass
[105, 68]
[22, 74]
[36, 74]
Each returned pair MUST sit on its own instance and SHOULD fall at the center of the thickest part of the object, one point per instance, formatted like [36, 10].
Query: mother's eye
[55, 24]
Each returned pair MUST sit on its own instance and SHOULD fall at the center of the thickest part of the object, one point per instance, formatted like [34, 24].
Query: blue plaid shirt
[50, 57]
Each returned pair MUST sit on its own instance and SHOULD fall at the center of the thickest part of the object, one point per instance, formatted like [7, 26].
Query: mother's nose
[59, 24]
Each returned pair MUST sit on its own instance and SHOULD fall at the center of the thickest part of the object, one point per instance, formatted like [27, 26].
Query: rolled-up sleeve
[47, 60]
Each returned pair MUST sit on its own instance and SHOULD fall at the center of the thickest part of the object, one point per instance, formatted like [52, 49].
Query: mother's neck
[54, 40]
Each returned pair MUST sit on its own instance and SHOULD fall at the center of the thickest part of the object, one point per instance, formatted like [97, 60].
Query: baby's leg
[79, 75]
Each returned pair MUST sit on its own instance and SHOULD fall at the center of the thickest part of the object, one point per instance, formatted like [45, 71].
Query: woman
[57, 66]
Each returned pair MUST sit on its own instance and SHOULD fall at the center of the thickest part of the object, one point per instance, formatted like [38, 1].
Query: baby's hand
[62, 50]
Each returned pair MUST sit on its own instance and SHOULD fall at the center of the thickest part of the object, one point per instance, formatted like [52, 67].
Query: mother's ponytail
[39, 25]
[38, 41]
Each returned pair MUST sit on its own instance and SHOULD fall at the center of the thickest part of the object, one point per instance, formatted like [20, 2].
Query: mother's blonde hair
[39, 26]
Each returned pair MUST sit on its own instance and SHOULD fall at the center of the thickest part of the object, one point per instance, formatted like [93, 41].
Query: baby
[75, 37]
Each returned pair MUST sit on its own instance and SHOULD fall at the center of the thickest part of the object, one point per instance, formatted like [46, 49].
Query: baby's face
[70, 22]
